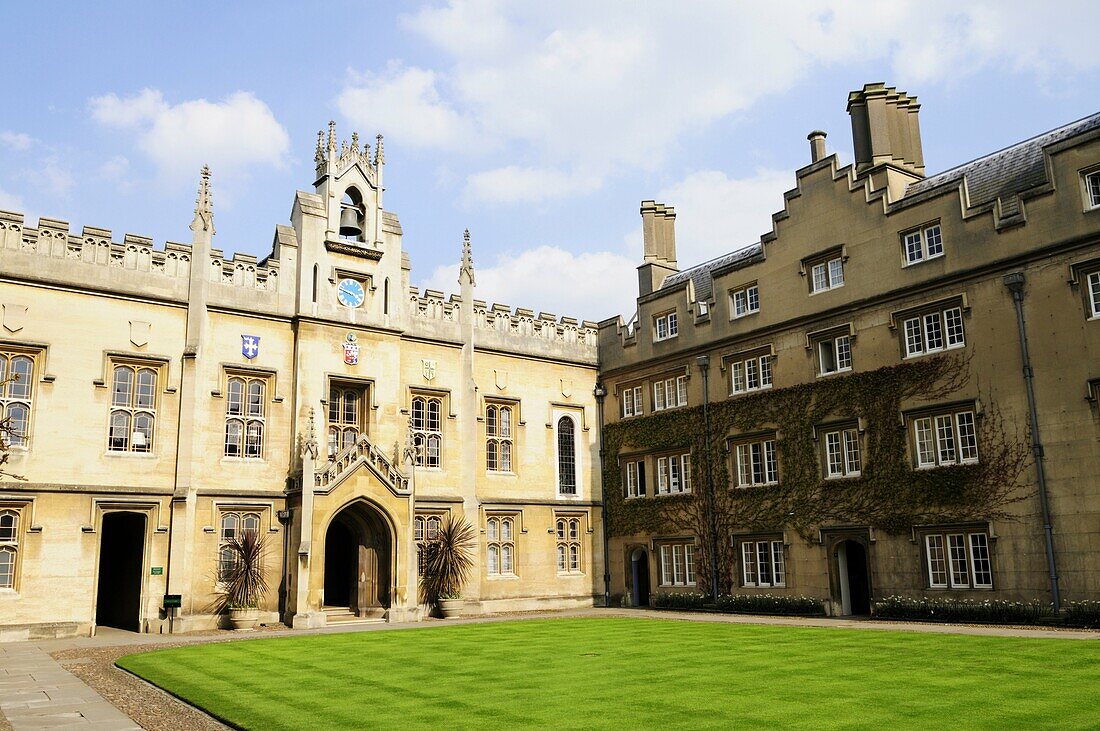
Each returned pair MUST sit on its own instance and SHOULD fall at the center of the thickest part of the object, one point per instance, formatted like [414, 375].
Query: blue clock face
[350, 293]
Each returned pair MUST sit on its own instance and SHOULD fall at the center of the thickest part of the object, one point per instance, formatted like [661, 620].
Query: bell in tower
[351, 216]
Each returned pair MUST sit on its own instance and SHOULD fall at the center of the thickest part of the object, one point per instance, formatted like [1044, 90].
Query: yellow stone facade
[115, 513]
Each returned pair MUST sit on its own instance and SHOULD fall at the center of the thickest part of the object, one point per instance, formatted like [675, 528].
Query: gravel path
[148, 705]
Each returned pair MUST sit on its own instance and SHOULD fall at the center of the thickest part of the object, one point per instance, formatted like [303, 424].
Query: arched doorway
[358, 561]
[639, 574]
[854, 577]
[121, 564]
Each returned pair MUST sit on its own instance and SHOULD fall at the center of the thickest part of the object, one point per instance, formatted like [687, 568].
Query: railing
[348, 459]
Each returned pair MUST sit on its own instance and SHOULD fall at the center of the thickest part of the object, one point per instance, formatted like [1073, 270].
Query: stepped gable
[1001, 176]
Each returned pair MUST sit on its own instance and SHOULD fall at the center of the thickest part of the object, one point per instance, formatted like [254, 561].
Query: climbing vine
[889, 494]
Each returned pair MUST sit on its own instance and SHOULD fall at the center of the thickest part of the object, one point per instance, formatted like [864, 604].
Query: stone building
[856, 385]
[171, 398]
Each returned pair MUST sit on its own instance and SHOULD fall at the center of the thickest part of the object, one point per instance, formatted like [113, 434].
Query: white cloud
[54, 176]
[516, 184]
[405, 104]
[615, 89]
[717, 214]
[590, 285]
[18, 141]
[117, 168]
[11, 202]
[234, 135]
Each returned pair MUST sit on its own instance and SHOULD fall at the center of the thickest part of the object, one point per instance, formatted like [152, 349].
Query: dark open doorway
[855, 579]
[121, 562]
[639, 574]
[358, 553]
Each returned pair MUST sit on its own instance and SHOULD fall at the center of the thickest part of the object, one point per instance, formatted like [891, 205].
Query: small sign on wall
[157, 570]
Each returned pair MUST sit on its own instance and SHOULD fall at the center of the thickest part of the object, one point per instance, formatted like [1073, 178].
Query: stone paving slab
[37, 693]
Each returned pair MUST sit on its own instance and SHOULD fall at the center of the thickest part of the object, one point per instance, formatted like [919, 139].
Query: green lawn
[635, 673]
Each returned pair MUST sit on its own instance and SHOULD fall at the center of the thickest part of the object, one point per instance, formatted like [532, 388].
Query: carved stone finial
[332, 137]
[355, 142]
[310, 447]
[379, 154]
[319, 153]
[467, 267]
[204, 204]
[343, 148]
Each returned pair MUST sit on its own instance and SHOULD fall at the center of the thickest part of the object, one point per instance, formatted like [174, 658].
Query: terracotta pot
[451, 607]
[244, 618]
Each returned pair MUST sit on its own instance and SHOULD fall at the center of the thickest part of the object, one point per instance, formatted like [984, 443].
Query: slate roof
[1002, 174]
[703, 274]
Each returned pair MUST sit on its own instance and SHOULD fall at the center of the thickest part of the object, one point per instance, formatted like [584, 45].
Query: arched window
[133, 408]
[501, 548]
[427, 429]
[498, 438]
[9, 547]
[568, 532]
[16, 388]
[567, 457]
[233, 527]
[316, 271]
[244, 417]
[386, 296]
[345, 418]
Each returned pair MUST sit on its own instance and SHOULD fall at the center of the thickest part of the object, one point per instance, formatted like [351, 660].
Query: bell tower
[351, 247]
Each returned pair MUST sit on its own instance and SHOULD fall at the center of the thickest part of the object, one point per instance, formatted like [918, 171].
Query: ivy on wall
[889, 495]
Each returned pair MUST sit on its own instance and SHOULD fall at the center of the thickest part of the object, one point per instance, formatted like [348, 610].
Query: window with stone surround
[670, 393]
[426, 529]
[665, 326]
[427, 430]
[498, 437]
[9, 547]
[134, 387]
[762, 563]
[634, 481]
[958, 559]
[567, 455]
[944, 438]
[842, 453]
[1092, 190]
[346, 407]
[245, 412]
[923, 243]
[568, 533]
[501, 548]
[755, 462]
[234, 524]
[630, 401]
[673, 474]
[16, 395]
[744, 301]
[677, 564]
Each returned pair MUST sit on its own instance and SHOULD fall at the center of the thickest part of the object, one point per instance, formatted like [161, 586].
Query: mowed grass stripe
[615, 672]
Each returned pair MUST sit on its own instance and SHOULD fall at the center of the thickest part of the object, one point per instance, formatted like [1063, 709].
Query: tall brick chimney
[886, 136]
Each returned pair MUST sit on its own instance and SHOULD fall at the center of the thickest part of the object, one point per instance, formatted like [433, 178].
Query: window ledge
[569, 496]
[848, 476]
[570, 574]
[129, 455]
[837, 372]
[242, 460]
[500, 473]
[9, 594]
[502, 577]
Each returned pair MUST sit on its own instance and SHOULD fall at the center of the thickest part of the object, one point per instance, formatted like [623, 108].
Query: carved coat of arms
[351, 350]
[250, 346]
[428, 370]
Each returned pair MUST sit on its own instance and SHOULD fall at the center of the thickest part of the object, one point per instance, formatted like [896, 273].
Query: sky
[538, 126]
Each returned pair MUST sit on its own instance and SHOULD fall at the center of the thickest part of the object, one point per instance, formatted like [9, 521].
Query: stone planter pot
[451, 607]
[244, 618]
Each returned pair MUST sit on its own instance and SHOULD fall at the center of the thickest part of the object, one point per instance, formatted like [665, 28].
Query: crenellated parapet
[500, 327]
[93, 247]
[244, 271]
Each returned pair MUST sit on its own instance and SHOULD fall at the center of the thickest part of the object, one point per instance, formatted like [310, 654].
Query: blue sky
[538, 126]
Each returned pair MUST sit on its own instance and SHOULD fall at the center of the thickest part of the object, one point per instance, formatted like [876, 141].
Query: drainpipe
[1015, 284]
[703, 361]
[599, 392]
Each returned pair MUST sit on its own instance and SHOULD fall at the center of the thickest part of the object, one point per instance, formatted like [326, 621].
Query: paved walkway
[36, 692]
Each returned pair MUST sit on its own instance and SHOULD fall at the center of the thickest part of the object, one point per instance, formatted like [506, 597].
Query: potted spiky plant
[448, 562]
[243, 583]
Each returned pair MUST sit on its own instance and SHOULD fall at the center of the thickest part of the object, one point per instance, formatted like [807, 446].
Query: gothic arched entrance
[358, 561]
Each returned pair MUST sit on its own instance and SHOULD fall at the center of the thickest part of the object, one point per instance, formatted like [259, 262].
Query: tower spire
[319, 153]
[204, 205]
[379, 155]
[332, 138]
[466, 270]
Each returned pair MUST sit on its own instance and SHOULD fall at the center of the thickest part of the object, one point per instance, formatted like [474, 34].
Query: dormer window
[351, 216]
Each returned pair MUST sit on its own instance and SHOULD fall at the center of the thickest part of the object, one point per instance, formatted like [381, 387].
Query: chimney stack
[886, 129]
[659, 245]
[817, 145]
